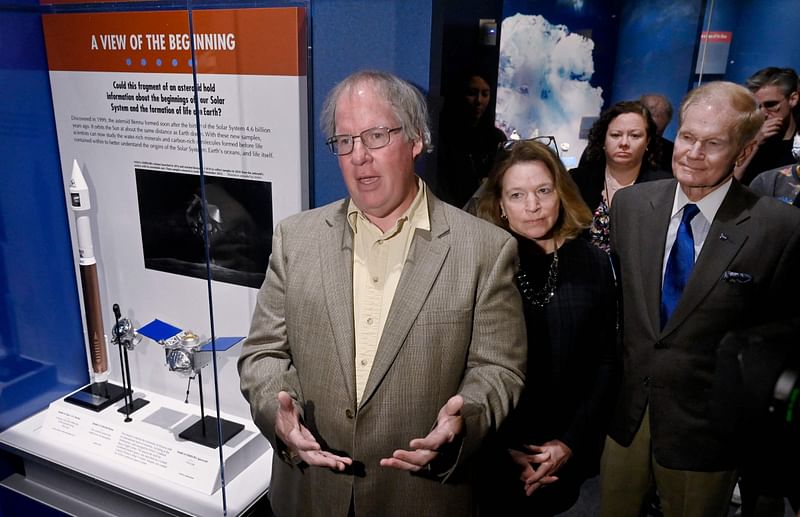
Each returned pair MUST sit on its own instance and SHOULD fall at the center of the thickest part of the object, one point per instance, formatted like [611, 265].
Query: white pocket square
[735, 277]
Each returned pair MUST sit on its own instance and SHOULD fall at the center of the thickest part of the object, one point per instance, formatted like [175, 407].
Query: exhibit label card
[150, 444]
[150, 450]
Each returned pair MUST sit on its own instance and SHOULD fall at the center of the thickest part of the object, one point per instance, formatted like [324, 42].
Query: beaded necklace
[541, 297]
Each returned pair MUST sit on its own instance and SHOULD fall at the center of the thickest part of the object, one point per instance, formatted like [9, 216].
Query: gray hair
[406, 101]
[748, 118]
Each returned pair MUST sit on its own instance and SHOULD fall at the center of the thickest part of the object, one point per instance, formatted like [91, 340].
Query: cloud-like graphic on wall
[543, 81]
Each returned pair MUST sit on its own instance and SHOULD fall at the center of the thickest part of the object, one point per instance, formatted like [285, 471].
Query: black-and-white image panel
[239, 225]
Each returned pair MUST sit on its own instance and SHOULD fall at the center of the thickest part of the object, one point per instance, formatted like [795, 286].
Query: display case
[149, 149]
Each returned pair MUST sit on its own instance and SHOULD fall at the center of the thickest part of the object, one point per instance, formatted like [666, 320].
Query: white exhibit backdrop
[124, 104]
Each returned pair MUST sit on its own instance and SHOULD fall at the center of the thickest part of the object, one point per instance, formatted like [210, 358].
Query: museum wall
[656, 50]
[764, 34]
[39, 312]
[350, 35]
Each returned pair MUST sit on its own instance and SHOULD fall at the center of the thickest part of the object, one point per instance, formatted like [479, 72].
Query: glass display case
[149, 149]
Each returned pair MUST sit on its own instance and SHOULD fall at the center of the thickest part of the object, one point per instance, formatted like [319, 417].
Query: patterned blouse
[599, 229]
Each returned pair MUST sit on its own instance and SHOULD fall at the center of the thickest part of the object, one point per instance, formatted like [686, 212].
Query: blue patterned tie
[679, 264]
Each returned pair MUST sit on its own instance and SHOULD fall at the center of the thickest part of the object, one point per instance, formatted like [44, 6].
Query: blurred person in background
[777, 95]
[661, 110]
[468, 139]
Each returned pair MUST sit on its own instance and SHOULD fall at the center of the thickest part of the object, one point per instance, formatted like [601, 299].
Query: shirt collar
[417, 213]
[708, 206]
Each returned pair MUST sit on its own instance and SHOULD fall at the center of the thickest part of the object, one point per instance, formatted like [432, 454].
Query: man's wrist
[291, 457]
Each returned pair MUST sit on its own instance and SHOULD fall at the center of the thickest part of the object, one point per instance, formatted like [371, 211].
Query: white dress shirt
[701, 223]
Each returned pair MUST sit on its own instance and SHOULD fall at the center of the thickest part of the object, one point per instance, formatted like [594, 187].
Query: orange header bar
[258, 41]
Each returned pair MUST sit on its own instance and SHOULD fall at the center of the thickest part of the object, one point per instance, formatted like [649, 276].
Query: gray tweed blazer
[455, 326]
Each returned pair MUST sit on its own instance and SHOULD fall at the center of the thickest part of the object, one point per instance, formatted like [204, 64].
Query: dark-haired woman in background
[468, 140]
[622, 150]
[553, 439]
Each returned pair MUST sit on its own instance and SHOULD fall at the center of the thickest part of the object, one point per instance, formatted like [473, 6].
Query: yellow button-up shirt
[378, 259]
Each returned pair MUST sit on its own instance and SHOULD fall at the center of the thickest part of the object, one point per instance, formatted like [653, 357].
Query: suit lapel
[425, 258]
[652, 260]
[336, 258]
[727, 235]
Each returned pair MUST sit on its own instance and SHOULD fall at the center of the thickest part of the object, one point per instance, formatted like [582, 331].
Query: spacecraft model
[186, 355]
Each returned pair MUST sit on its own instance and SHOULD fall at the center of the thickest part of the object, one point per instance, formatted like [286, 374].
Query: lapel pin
[723, 236]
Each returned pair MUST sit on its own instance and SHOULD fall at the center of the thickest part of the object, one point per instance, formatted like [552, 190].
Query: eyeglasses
[771, 105]
[549, 141]
[372, 138]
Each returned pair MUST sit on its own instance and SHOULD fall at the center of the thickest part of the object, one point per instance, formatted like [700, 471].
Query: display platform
[145, 458]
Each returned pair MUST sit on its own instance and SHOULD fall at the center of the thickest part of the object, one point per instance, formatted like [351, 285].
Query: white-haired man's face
[706, 148]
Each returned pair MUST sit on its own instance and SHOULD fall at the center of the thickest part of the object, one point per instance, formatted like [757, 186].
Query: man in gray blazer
[388, 337]
[742, 252]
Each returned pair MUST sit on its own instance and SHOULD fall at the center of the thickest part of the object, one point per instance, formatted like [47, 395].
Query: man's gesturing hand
[449, 426]
[300, 443]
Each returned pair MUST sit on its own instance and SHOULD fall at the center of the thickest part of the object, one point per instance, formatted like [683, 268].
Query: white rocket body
[80, 202]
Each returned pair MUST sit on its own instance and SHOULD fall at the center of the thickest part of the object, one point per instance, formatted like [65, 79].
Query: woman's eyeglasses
[548, 140]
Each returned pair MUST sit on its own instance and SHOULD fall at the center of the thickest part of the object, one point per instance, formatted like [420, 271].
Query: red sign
[716, 36]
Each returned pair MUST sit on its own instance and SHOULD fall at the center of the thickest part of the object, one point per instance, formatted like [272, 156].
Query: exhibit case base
[206, 431]
[143, 461]
[97, 396]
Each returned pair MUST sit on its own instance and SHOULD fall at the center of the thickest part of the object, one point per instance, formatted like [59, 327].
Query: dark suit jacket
[455, 326]
[671, 370]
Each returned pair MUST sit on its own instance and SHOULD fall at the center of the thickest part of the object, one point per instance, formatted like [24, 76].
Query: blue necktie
[679, 264]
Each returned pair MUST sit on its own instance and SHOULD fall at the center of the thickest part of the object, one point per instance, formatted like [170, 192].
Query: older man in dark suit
[698, 258]
[388, 337]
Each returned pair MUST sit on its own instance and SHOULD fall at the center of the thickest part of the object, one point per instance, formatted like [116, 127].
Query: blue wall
[393, 35]
[40, 320]
[656, 49]
[765, 33]
[658, 43]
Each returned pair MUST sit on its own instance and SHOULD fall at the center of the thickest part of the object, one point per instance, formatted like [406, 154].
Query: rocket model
[80, 203]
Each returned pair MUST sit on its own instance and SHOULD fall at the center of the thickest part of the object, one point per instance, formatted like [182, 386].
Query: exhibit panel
[181, 138]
